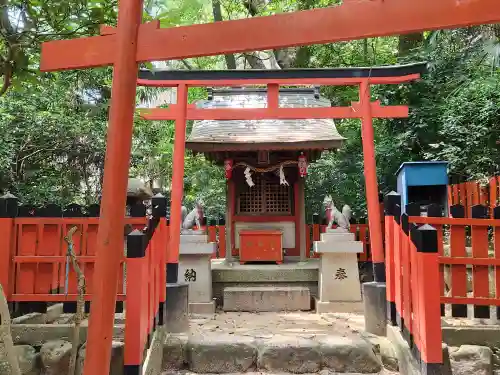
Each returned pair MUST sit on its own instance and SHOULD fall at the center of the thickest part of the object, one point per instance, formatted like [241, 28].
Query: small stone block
[374, 294]
[289, 354]
[202, 308]
[349, 355]
[221, 354]
[261, 298]
[176, 308]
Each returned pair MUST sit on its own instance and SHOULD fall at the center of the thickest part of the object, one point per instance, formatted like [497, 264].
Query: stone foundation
[274, 298]
[223, 353]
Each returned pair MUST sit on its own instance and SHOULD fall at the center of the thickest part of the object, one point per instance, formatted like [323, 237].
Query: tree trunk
[230, 60]
[409, 42]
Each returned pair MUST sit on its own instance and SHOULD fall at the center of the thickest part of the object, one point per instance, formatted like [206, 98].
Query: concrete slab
[274, 298]
[202, 308]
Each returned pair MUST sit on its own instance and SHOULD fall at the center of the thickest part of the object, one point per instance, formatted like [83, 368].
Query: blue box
[423, 182]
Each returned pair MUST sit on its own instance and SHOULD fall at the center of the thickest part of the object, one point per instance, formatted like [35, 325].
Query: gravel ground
[322, 372]
[265, 325]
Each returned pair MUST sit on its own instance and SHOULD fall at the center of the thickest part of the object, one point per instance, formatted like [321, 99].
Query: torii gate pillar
[110, 233]
[371, 185]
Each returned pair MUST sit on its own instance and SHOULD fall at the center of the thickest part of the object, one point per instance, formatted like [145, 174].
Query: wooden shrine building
[265, 162]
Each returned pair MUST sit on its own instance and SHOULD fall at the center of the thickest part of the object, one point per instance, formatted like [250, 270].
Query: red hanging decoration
[302, 165]
[228, 168]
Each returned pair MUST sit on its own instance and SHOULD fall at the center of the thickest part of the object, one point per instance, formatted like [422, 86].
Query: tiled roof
[263, 131]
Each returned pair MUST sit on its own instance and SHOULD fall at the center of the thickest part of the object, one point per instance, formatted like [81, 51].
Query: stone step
[233, 354]
[267, 298]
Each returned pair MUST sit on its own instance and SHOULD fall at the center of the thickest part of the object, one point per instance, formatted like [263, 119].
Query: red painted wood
[458, 272]
[454, 221]
[7, 248]
[414, 289]
[212, 237]
[370, 172]
[178, 173]
[155, 114]
[440, 243]
[472, 301]
[406, 278]
[496, 246]
[493, 198]
[222, 241]
[263, 219]
[392, 262]
[480, 274]
[109, 249]
[26, 273]
[464, 260]
[54, 297]
[261, 245]
[137, 299]
[352, 20]
[429, 315]
[297, 211]
[308, 240]
[273, 96]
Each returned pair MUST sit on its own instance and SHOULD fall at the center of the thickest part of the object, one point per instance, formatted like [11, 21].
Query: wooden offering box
[261, 245]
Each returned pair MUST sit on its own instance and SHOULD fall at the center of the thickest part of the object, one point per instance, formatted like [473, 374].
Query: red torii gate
[364, 109]
[132, 42]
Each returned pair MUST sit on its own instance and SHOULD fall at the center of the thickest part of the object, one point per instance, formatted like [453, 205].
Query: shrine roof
[215, 135]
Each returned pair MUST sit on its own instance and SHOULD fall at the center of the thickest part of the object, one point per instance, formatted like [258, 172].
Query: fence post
[8, 211]
[212, 234]
[136, 321]
[428, 315]
[222, 238]
[160, 203]
[392, 261]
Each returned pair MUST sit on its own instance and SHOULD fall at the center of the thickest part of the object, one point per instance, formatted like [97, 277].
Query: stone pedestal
[338, 271]
[176, 308]
[195, 270]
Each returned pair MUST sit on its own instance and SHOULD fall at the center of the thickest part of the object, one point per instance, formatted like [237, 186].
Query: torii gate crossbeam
[132, 42]
[352, 20]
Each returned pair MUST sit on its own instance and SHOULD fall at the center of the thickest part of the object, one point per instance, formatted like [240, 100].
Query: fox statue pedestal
[195, 269]
[339, 286]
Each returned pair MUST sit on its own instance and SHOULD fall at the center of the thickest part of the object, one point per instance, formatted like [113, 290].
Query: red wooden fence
[33, 255]
[471, 193]
[428, 263]
[146, 292]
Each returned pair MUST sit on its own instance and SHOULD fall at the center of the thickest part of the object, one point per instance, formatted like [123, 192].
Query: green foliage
[54, 125]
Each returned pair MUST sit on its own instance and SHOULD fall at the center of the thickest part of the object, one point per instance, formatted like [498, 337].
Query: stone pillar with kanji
[194, 269]
[338, 284]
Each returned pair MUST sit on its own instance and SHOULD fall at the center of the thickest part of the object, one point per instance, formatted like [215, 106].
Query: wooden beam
[159, 114]
[352, 20]
[282, 82]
